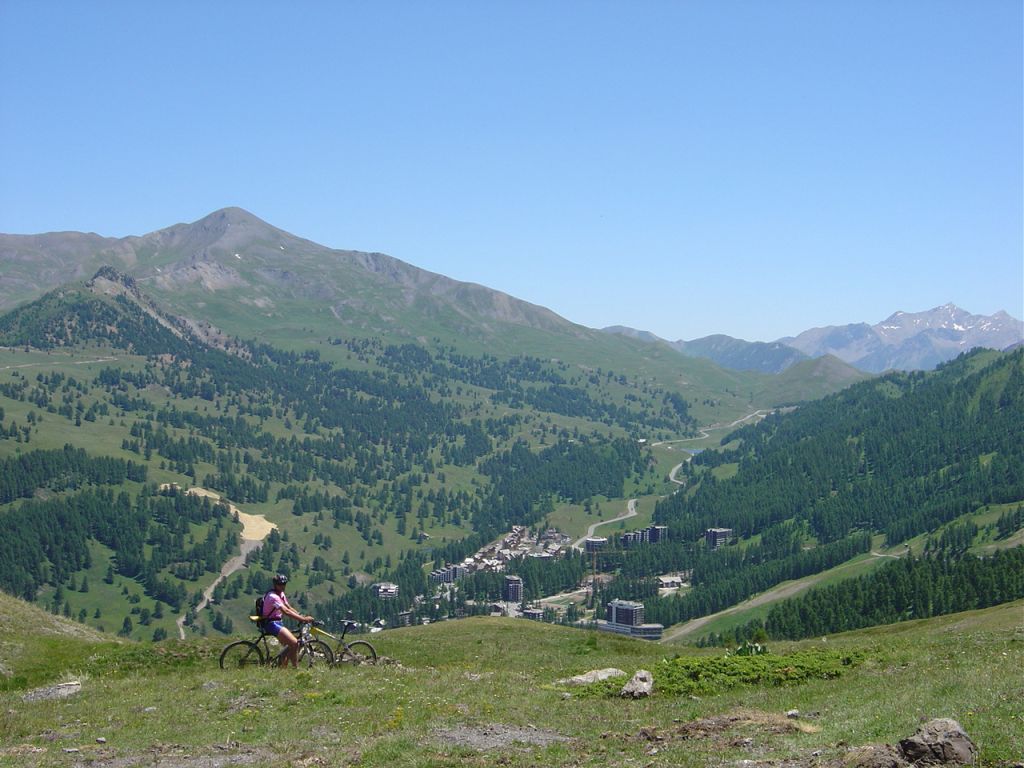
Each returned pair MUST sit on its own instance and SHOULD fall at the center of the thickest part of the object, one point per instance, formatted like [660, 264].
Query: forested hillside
[366, 461]
[405, 456]
[910, 588]
[902, 456]
[899, 455]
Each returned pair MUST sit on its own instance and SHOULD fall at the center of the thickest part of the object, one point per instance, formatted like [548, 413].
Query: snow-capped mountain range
[903, 341]
[910, 340]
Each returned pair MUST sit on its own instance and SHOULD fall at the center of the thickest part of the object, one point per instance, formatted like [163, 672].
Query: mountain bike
[355, 652]
[254, 653]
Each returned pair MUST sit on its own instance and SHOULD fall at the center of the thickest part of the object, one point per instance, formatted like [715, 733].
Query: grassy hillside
[486, 692]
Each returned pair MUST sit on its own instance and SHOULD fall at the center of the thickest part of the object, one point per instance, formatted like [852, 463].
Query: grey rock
[939, 742]
[640, 686]
[59, 691]
[593, 676]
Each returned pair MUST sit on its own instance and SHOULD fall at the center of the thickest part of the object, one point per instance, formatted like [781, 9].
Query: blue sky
[687, 168]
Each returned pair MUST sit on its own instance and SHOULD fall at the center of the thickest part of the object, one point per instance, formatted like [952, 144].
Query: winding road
[630, 512]
[705, 432]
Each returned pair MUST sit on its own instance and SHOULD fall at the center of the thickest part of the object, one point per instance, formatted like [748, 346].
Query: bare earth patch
[254, 527]
[175, 756]
[743, 729]
[490, 737]
[723, 729]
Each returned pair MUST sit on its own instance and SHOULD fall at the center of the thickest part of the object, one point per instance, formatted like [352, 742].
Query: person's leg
[291, 645]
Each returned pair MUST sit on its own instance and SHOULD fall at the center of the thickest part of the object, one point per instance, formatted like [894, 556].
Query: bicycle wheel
[358, 652]
[241, 653]
[315, 653]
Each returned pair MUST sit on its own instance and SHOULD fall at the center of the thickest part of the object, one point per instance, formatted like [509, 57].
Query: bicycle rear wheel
[315, 653]
[239, 654]
[358, 652]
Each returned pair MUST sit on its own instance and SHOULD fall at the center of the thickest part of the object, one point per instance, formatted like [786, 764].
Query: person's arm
[289, 611]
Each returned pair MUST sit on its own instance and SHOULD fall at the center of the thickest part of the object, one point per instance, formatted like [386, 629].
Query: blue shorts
[272, 627]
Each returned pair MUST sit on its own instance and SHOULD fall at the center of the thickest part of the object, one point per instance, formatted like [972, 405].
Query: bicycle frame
[307, 645]
[342, 650]
[272, 658]
[339, 640]
[324, 633]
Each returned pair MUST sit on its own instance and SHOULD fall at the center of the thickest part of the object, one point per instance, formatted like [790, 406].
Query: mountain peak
[230, 216]
[219, 223]
[226, 231]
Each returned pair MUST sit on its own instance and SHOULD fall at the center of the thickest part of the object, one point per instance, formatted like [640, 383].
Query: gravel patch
[490, 737]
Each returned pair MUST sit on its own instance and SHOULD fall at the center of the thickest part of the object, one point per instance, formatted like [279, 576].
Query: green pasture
[432, 701]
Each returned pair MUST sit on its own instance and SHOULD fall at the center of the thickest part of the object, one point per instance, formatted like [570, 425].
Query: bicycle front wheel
[315, 653]
[239, 654]
[358, 652]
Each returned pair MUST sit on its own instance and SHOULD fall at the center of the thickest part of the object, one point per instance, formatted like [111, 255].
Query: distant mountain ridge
[903, 341]
[233, 272]
[233, 258]
[911, 341]
[232, 275]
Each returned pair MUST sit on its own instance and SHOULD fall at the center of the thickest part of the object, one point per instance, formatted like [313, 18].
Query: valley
[156, 469]
[607, 385]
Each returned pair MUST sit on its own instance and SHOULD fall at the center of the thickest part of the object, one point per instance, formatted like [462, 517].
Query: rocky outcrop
[594, 676]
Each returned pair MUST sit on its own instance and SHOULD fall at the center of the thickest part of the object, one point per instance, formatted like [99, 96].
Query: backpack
[260, 601]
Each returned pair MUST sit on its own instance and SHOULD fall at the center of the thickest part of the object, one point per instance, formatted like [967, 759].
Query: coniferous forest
[909, 588]
[378, 461]
[900, 455]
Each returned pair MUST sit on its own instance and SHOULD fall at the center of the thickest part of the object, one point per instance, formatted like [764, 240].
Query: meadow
[487, 691]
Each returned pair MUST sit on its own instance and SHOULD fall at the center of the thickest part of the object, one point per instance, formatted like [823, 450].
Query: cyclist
[275, 608]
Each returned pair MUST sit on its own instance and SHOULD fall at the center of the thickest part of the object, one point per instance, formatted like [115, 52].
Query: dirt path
[58, 362]
[255, 528]
[630, 512]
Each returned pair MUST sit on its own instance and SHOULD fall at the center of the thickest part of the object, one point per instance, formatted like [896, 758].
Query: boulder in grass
[939, 742]
[59, 691]
[593, 676]
[641, 686]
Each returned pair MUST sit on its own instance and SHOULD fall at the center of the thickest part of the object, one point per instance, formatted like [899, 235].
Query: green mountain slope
[900, 454]
[250, 280]
[805, 491]
[808, 380]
